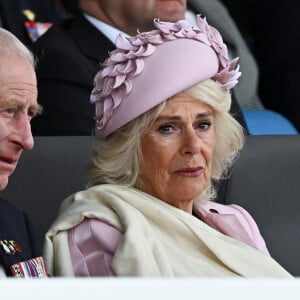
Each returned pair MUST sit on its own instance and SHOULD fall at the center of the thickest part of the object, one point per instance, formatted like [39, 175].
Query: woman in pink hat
[164, 134]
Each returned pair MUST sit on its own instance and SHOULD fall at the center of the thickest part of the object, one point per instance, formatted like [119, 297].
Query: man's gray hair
[10, 45]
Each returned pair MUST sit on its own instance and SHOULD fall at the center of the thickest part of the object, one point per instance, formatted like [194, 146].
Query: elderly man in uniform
[18, 105]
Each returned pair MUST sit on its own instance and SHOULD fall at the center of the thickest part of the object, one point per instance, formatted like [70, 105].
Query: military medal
[34, 267]
[10, 247]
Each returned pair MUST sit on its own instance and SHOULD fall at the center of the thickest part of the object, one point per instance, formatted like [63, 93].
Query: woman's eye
[204, 125]
[165, 128]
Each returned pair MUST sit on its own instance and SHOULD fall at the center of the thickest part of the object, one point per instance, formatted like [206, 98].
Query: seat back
[46, 175]
[265, 180]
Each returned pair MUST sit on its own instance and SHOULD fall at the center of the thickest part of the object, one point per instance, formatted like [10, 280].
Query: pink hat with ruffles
[153, 66]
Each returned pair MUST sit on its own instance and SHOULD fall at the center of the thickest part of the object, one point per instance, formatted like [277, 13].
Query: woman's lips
[189, 172]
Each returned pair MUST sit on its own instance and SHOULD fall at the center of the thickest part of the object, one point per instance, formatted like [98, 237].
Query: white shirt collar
[110, 32]
[190, 16]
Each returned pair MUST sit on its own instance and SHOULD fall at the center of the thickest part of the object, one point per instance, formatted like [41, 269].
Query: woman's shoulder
[101, 191]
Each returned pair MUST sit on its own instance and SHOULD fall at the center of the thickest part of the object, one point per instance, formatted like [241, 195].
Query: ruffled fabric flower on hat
[114, 81]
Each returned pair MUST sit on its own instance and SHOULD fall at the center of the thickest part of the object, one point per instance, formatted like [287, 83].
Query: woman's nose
[191, 142]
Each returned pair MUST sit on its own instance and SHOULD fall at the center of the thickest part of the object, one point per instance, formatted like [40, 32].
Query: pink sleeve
[92, 246]
[256, 235]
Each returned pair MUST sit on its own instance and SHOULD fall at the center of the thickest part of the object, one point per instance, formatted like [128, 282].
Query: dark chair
[265, 180]
[46, 175]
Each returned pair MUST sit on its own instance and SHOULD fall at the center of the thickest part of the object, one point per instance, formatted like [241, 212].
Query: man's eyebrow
[5, 103]
[9, 103]
[38, 108]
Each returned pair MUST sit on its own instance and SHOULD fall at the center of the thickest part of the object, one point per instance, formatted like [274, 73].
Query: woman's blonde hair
[115, 159]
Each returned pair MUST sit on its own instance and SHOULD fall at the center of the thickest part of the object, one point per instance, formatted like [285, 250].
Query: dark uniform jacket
[14, 227]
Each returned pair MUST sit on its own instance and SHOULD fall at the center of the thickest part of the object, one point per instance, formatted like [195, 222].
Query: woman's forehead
[184, 100]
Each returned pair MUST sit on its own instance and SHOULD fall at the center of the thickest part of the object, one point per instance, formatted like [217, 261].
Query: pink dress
[93, 242]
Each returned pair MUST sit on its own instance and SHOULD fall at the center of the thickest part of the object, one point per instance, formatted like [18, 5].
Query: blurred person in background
[29, 19]
[274, 38]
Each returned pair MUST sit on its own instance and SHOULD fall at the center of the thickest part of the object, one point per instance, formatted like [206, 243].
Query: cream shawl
[158, 239]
